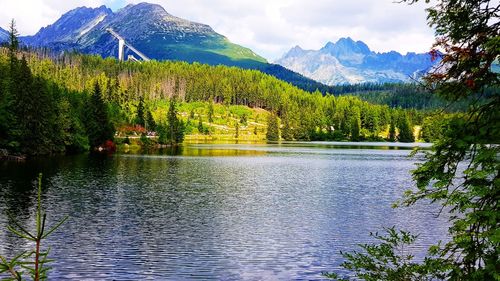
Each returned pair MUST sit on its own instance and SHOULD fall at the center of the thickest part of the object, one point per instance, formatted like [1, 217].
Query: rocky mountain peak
[349, 61]
[346, 46]
[147, 27]
[294, 52]
[144, 8]
[70, 26]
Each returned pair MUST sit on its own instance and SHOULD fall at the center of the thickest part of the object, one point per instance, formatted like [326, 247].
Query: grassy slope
[225, 119]
[212, 50]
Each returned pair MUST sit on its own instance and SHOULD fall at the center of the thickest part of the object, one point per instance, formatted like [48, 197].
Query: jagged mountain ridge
[156, 33]
[149, 28]
[70, 27]
[351, 62]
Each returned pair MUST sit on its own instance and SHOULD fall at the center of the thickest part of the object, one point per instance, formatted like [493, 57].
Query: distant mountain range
[161, 36]
[351, 62]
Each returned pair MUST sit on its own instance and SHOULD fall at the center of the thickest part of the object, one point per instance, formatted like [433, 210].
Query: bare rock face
[350, 62]
[149, 28]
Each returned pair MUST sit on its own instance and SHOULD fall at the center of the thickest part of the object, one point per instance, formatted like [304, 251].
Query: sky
[268, 27]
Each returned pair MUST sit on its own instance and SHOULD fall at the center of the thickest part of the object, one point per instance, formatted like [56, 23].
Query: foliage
[138, 93]
[462, 172]
[99, 128]
[433, 127]
[355, 126]
[211, 112]
[309, 115]
[236, 130]
[150, 121]
[286, 132]
[273, 133]
[173, 132]
[34, 262]
[140, 119]
[468, 32]
[13, 42]
[405, 130]
[392, 131]
[37, 116]
[390, 260]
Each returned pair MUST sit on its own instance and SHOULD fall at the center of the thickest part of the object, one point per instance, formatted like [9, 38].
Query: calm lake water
[215, 212]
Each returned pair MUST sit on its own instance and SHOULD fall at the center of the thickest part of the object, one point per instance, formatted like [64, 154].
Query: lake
[216, 211]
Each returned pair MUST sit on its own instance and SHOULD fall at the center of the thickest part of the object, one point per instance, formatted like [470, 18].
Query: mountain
[157, 34]
[147, 27]
[70, 27]
[351, 62]
[4, 35]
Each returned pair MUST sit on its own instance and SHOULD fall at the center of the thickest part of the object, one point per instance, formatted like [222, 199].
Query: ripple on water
[272, 213]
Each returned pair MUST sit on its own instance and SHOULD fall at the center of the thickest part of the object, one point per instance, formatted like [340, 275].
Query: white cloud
[270, 28]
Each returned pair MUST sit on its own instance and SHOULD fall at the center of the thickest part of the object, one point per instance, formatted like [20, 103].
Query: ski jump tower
[121, 48]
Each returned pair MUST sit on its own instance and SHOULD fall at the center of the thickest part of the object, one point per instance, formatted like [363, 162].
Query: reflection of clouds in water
[284, 214]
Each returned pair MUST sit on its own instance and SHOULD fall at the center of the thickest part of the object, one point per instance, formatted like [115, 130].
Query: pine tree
[356, 126]
[9, 75]
[405, 130]
[150, 121]
[99, 128]
[23, 104]
[237, 130]
[392, 131]
[175, 127]
[286, 132]
[140, 120]
[13, 43]
[272, 133]
[211, 112]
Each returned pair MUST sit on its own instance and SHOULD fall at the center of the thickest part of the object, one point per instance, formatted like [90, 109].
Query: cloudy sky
[269, 27]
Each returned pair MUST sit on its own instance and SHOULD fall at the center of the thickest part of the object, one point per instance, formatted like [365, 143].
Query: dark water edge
[215, 212]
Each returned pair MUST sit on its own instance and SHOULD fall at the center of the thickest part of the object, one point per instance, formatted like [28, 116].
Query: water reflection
[215, 212]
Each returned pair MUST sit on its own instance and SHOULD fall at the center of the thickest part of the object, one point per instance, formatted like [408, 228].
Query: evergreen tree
[236, 130]
[23, 105]
[175, 127]
[150, 121]
[140, 120]
[6, 118]
[272, 133]
[97, 124]
[286, 132]
[13, 43]
[211, 112]
[392, 131]
[356, 126]
[405, 130]
[8, 87]
[200, 125]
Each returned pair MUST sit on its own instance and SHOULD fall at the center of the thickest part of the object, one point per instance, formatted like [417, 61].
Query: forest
[73, 102]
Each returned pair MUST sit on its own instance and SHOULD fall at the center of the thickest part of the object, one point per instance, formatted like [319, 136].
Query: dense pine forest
[73, 102]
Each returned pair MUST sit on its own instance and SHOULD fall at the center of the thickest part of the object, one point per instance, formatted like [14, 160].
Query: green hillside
[212, 103]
